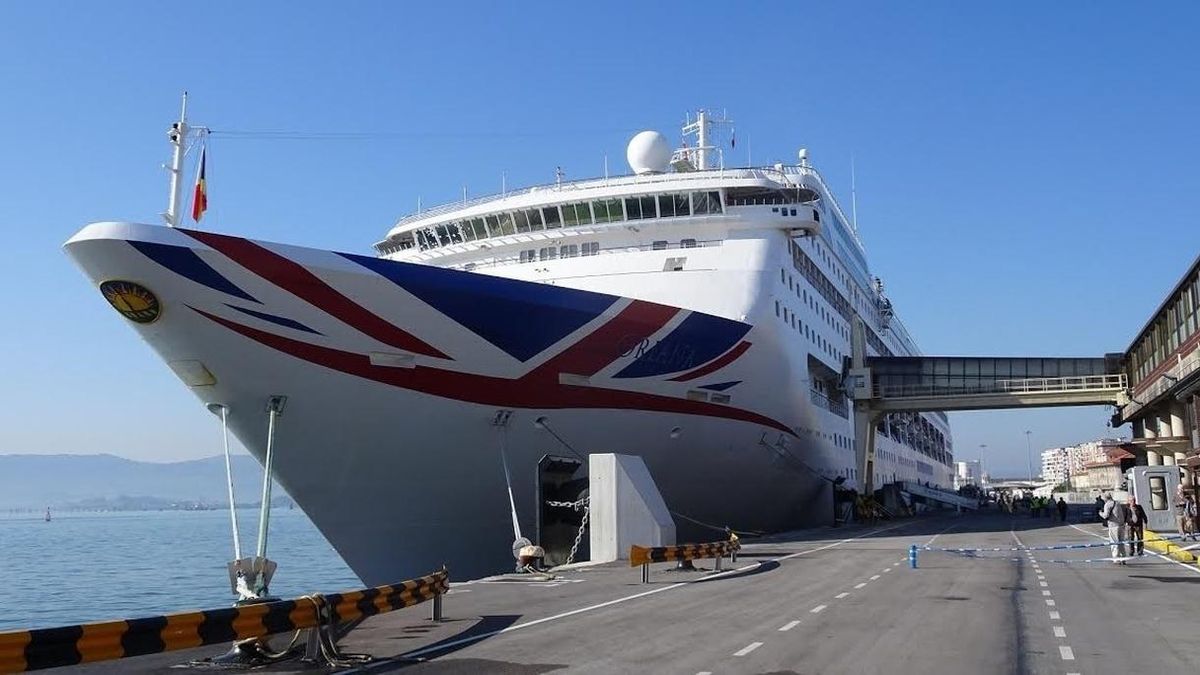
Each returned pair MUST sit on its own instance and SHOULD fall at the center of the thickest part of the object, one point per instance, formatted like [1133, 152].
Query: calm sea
[83, 567]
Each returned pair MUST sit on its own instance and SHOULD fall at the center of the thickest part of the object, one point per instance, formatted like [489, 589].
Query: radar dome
[648, 152]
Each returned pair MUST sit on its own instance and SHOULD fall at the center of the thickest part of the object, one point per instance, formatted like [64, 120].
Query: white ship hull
[387, 440]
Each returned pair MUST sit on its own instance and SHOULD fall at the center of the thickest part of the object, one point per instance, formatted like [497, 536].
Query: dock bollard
[719, 559]
[437, 607]
[646, 573]
[912, 556]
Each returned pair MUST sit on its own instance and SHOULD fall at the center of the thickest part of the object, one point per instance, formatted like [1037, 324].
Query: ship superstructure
[690, 313]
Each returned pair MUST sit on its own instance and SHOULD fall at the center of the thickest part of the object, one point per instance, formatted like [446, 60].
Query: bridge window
[551, 217]
[608, 210]
[706, 202]
[528, 220]
[673, 205]
[577, 214]
[637, 208]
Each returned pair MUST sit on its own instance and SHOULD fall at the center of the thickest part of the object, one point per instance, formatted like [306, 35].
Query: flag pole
[177, 135]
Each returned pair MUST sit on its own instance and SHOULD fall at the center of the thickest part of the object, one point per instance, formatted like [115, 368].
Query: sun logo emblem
[134, 301]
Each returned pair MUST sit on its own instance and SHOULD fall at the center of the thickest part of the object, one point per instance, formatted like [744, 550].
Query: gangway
[939, 495]
[880, 385]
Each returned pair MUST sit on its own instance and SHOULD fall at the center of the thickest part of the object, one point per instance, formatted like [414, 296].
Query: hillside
[64, 481]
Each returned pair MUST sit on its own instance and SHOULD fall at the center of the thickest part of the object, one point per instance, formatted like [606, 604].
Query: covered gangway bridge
[880, 385]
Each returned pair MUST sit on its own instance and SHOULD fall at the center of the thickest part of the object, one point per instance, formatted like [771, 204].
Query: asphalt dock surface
[820, 601]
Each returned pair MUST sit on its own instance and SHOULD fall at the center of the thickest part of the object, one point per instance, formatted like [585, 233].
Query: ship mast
[177, 135]
[702, 156]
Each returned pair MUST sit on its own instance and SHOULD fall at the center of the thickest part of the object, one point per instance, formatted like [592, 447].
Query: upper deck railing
[1165, 382]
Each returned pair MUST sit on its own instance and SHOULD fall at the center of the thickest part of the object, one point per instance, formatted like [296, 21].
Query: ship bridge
[886, 384]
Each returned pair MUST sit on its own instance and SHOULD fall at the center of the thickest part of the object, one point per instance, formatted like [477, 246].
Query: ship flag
[200, 197]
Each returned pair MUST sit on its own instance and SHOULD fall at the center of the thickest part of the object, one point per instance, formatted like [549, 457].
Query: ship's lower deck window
[589, 248]
[687, 243]
[568, 251]
[528, 256]
[659, 245]
[548, 253]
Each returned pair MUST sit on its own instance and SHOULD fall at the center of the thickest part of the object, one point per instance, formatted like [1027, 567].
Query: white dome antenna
[648, 152]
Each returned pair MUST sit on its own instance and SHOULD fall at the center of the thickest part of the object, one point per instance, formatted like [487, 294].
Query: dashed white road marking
[751, 647]
[590, 608]
[1049, 602]
[894, 564]
[839, 596]
[1046, 593]
[887, 569]
[788, 626]
[874, 577]
[1043, 584]
[1066, 653]
[860, 585]
[1060, 632]
[818, 609]
[1041, 577]
[704, 672]
[1055, 616]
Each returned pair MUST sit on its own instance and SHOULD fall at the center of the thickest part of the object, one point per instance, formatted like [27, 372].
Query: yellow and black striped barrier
[643, 556]
[73, 645]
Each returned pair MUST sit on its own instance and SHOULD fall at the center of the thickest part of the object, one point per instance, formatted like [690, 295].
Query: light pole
[1029, 454]
[982, 447]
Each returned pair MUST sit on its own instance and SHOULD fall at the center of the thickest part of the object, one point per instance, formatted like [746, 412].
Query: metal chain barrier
[579, 535]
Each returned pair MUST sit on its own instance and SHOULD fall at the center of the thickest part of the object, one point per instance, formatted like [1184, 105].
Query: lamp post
[1029, 454]
[982, 447]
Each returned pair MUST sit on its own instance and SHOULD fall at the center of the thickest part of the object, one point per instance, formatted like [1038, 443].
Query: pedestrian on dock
[1115, 517]
[1062, 510]
[1137, 527]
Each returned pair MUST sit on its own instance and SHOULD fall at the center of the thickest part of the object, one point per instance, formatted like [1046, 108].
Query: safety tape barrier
[85, 643]
[1056, 547]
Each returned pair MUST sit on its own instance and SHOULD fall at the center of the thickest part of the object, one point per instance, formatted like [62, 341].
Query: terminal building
[1163, 369]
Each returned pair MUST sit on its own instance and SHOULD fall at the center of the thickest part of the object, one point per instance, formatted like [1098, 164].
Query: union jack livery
[695, 315]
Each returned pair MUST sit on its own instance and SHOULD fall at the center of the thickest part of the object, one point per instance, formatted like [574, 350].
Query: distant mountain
[64, 481]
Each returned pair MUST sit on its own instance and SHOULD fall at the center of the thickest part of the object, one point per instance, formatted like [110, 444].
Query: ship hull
[394, 376]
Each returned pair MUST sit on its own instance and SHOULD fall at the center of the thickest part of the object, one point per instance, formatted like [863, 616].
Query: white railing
[516, 259]
[1037, 385]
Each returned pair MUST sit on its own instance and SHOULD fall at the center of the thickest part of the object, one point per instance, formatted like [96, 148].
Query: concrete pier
[821, 601]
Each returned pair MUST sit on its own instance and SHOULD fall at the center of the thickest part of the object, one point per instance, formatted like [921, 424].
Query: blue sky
[1026, 171]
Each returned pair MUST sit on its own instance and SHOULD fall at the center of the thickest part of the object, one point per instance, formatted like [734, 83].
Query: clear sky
[1026, 171]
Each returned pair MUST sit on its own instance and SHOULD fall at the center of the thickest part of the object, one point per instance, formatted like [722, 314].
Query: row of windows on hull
[913, 430]
[599, 211]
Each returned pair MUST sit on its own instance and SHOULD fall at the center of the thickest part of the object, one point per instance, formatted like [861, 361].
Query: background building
[1055, 467]
[967, 473]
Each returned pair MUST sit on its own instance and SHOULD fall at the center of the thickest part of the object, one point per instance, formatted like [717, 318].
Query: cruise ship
[691, 313]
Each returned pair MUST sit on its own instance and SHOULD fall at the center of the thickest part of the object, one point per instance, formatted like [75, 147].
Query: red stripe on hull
[523, 393]
[298, 281]
[714, 366]
[609, 342]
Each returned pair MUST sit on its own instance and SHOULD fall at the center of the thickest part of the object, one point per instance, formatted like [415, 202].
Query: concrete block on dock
[626, 507]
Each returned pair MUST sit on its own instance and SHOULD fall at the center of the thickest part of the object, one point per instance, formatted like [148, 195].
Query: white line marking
[704, 672]
[1055, 616]
[860, 585]
[874, 577]
[1046, 593]
[1043, 584]
[1066, 653]
[839, 596]
[886, 570]
[747, 649]
[788, 626]
[894, 564]
[1060, 632]
[817, 609]
[1049, 602]
[480, 636]
[1041, 577]
[1191, 568]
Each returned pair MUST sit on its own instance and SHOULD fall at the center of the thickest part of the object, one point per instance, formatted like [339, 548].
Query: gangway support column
[865, 415]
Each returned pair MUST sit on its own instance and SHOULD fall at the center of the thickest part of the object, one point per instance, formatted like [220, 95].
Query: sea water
[82, 567]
